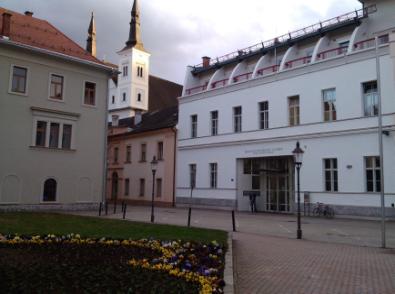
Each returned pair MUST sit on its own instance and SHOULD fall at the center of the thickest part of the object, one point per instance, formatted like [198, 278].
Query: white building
[241, 115]
[128, 92]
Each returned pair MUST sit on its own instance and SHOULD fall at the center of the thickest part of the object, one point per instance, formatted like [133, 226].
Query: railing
[332, 52]
[195, 90]
[355, 15]
[370, 43]
[298, 62]
[268, 70]
[221, 83]
[383, 39]
[242, 77]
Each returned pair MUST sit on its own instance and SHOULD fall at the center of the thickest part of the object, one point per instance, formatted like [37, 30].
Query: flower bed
[73, 264]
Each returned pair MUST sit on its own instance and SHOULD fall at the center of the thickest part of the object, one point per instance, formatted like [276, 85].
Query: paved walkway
[281, 266]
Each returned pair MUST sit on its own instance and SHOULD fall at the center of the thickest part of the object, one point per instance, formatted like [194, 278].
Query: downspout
[175, 165]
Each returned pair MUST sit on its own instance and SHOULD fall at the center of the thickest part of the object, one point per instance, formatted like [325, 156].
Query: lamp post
[298, 158]
[154, 164]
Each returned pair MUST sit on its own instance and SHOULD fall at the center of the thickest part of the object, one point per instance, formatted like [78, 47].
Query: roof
[162, 93]
[38, 33]
[151, 121]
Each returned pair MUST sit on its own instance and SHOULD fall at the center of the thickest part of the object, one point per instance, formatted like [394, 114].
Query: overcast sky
[179, 32]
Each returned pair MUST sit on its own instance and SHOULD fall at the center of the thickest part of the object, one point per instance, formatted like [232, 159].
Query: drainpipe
[174, 162]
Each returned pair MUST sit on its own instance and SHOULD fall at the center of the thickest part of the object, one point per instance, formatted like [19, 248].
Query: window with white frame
[214, 123]
[329, 100]
[143, 152]
[237, 119]
[56, 87]
[160, 151]
[140, 71]
[90, 94]
[128, 154]
[213, 175]
[53, 134]
[158, 188]
[192, 175]
[330, 171]
[19, 80]
[194, 122]
[370, 98]
[116, 154]
[125, 70]
[293, 109]
[142, 188]
[127, 186]
[264, 115]
[373, 174]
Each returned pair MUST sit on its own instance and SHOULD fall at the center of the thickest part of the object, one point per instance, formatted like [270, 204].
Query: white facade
[131, 92]
[343, 60]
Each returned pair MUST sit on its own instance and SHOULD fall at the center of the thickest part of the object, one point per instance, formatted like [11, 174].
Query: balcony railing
[242, 77]
[268, 70]
[331, 53]
[298, 62]
[195, 90]
[383, 39]
[219, 84]
[370, 43]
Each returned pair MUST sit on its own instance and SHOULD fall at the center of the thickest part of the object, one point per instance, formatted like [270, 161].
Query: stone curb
[228, 272]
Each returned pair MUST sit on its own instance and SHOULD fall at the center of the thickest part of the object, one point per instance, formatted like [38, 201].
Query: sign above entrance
[264, 151]
[252, 193]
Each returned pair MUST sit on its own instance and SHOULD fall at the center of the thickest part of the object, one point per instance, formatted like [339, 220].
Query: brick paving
[277, 265]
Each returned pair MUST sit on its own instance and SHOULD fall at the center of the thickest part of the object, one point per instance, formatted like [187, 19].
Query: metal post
[124, 210]
[299, 231]
[106, 207]
[233, 221]
[153, 193]
[100, 207]
[189, 216]
[381, 148]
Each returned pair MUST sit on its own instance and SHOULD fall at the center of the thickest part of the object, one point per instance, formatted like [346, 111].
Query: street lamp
[154, 165]
[298, 158]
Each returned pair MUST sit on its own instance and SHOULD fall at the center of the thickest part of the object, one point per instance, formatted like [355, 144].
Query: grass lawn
[27, 223]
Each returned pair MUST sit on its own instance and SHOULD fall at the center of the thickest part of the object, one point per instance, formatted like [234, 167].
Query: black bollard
[189, 216]
[233, 221]
[100, 207]
[123, 205]
[106, 207]
[124, 210]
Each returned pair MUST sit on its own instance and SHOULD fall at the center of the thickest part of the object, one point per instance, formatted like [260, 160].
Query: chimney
[115, 120]
[137, 117]
[5, 32]
[206, 61]
[28, 13]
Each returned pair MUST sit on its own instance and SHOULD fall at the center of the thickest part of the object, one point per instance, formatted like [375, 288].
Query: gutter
[174, 129]
[57, 55]
[104, 183]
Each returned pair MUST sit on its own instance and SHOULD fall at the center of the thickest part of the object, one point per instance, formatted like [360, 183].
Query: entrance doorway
[277, 185]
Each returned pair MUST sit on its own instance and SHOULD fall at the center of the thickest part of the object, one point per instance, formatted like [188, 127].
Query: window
[373, 174]
[115, 154]
[113, 99]
[194, 121]
[192, 175]
[158, 188]
[139, 97]
[123, 96]
[54, 135]
[128, 154]
[293, 107]
[125, 71]
[160, 151]
[214, 123]
[140, 72]
[143, 154]
[41, 131]
[370, 98]
[90, 94]
[142, 187]
[237, 119]
[49, 194]
[330, 170]
[329, 98]
[19, 79]
[56, 87]
[66, 137]
[127, 184]
[264, 115]
[213, 175]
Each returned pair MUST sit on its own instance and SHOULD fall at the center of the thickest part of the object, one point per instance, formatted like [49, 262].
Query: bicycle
[325, 210]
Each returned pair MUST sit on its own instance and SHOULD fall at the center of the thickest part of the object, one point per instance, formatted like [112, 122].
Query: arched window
[139, 97]
[50, 186]
[114, 192]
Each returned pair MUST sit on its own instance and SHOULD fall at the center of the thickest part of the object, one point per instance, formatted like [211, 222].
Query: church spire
[134, 33]
[91, 41]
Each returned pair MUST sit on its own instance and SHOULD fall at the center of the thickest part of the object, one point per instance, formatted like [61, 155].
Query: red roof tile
[31, 31]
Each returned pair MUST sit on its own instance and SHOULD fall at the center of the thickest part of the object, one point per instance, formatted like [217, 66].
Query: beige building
[53, 107]
[132, 145]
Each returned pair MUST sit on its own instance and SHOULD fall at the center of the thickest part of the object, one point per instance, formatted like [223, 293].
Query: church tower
[91, 41]
[129, 93]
